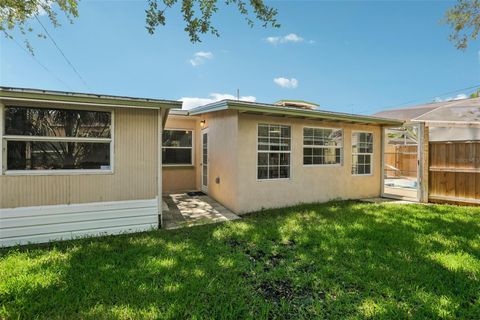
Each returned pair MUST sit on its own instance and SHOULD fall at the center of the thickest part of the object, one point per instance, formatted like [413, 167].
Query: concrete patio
[182, 210]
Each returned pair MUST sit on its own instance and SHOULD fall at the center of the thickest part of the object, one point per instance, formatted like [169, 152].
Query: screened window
[177, 147]
[43, 122]
[362, 153]
[322, 146]
[274, 148]
[57, 139]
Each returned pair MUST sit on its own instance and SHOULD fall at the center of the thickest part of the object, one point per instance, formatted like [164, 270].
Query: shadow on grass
[334, 260]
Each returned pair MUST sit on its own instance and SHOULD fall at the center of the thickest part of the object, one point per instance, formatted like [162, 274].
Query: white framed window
[177, 147]
[54, 140]
[273, 151]
[322, 146]
[362, 153]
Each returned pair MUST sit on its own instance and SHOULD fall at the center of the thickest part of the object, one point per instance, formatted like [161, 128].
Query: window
[362, 153]
[274, 145]
[177, 147]
[39, 139]
[322, 146]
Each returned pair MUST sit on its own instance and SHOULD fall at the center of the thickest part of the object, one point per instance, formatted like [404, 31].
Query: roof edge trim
[275, 109]
[107, 100]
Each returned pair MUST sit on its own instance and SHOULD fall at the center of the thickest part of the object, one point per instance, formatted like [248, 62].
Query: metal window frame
[192, 163]
[5, 138]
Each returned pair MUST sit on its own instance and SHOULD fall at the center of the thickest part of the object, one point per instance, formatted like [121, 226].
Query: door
[401, 160]
[204, 163]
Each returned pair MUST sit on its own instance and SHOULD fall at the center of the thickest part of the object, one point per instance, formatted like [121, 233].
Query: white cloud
[459, 96]
[291, 37]
[200, 57]
[192, 102]
[286, 83]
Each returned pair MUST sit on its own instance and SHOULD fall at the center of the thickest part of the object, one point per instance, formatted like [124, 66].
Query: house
[78, 164]
[447, 161]
[250, 156]
[82, 164]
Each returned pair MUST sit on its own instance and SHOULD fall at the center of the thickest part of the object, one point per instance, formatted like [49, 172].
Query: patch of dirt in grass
[272, 257]
[283, 290]
[235, 243]
[276, 290]
[255, 255]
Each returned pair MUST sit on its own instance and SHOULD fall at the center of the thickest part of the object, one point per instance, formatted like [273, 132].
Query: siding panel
[47, 223]
[134, 177]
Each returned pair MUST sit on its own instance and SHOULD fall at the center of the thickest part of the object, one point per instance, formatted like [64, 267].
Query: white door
[204, 163]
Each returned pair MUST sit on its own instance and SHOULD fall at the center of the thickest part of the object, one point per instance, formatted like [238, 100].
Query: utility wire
[437, 95]
[63, 54]
[42, 65]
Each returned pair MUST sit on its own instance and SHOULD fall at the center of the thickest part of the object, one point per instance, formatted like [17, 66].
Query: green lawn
[334, 260]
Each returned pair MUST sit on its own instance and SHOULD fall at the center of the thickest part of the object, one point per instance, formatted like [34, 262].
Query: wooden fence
[454, 172]
[401, 160]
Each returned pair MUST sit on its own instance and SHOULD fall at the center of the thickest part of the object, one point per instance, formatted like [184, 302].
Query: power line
[63, 54]
[42, 65]
[437, 95]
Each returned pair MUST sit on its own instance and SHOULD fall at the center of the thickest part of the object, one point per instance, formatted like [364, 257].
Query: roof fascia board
[315, 114]
[100, 101]
[222, 105]
[258, 107]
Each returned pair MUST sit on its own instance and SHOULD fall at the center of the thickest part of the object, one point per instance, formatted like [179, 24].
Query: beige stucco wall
[233, 159]
[307, 184]
[134, 176]
[222, 128]
[183, 178]
[223, 157]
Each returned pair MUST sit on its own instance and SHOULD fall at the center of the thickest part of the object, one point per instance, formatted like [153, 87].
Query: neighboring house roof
[272, 109]
[457, 120]
[465, 110]
[23, 94]
[405, 113]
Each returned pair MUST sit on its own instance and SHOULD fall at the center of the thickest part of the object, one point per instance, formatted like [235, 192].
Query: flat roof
[272, 109]
[26, 94]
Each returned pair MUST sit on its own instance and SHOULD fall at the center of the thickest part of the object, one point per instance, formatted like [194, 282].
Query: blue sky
[353, 56]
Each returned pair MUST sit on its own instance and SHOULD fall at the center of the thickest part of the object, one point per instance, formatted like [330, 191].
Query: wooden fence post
[424, 161]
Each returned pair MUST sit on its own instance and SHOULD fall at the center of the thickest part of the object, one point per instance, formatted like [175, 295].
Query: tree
[19, 13]
[464, 18]
[197, 14]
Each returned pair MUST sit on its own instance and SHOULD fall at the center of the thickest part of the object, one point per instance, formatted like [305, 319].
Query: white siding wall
[61, 222]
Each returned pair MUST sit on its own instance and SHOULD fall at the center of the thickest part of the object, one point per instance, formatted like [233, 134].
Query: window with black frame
[57, 139]
[177, 147]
